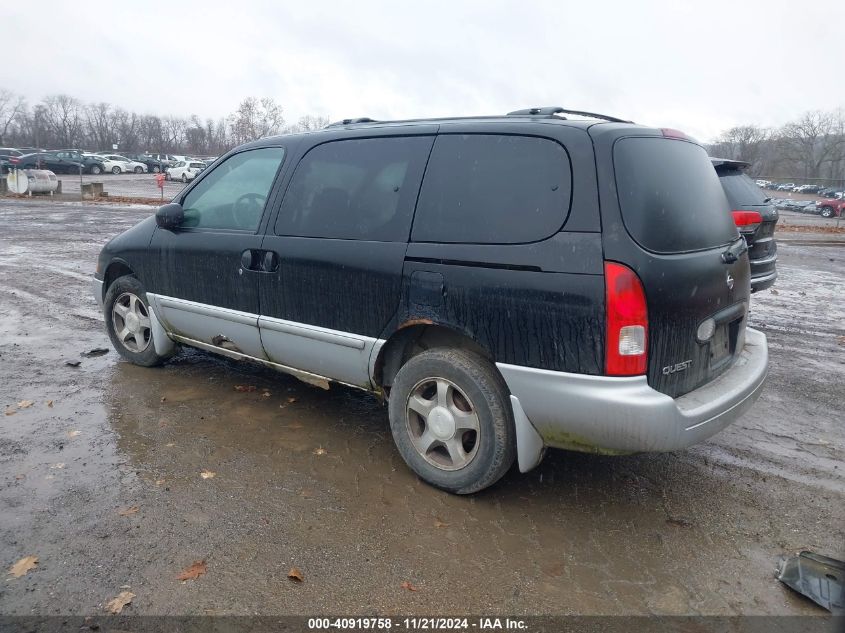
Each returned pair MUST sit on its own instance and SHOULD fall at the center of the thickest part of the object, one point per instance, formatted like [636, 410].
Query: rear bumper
[612, 415]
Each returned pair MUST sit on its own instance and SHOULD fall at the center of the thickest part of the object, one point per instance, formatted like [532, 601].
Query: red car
[831, 207]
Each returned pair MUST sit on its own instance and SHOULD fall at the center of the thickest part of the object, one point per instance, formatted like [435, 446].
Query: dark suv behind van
[755, 217]
[506, 283]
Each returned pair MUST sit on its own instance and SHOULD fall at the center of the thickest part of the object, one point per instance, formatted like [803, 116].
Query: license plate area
[724, 342]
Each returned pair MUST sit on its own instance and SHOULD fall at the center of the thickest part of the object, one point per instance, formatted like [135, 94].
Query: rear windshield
[740, 189]
[670, 196]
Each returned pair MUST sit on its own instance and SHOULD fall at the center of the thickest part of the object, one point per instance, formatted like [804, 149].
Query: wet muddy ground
[100, 478]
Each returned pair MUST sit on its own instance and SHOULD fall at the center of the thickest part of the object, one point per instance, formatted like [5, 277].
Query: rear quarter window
[670, 196]
[493, 189]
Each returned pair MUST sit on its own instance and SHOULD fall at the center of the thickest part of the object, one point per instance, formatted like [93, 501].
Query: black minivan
[505, 283]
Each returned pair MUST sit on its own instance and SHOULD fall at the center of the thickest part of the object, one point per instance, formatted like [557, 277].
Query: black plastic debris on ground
[819, 578]
[97, 351]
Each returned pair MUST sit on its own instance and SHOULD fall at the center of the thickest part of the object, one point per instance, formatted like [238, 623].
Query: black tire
[156, 169]
[826, 212]
[184, 177]
[119, 288]
[488, 397]
[96, 170]
[115, 170]
[139, 170]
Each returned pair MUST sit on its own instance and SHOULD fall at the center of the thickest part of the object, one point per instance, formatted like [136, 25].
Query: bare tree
[813, 140]
[747, 143]
[255, 119]
[308, 123]
[12, 107]
[62, 118]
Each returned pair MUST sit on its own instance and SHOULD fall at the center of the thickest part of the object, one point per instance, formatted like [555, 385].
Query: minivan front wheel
[128, 322]
[451, 420]
[827, 212]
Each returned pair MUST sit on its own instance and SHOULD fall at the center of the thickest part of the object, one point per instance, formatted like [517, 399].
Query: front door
[340, 240]
[208, 269]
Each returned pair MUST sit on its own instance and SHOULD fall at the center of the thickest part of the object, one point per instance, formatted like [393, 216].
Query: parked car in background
[47, 160]
[154, 165]
[167, 160]
[120, 164]
[185, 170]
[800, 206]
[787, 186]
[763, 184]
[755, 217]
[464, 270]
[831, 207]
[10, 151]
[831, 192]
[90, 164]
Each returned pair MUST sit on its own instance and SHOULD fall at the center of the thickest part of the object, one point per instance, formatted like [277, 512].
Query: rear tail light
[747, 221]
[14, 160]
[627, 322]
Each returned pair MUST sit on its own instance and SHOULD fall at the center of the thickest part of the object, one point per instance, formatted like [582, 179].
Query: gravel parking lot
[101, 477]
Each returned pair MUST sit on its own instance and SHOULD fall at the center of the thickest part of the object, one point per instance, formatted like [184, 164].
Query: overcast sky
[699, 66]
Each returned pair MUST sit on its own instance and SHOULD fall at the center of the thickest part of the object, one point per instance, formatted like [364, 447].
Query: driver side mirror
[170, 216]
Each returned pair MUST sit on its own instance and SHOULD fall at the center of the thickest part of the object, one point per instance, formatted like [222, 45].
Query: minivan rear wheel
[128, 322]
[451, 420]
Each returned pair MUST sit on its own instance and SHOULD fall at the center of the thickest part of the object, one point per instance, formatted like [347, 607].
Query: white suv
[185, 170]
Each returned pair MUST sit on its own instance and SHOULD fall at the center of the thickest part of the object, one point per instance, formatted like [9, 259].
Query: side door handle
[270, 262]
[251, 260]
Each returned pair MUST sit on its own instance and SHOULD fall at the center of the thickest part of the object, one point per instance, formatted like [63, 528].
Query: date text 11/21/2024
[418, 624]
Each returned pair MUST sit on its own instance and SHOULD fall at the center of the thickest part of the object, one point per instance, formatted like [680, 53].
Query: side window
[493, 189]
[360, 189]
[233, 194]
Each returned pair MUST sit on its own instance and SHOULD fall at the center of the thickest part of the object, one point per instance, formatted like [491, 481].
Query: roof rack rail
[552, 110]
[362, 119]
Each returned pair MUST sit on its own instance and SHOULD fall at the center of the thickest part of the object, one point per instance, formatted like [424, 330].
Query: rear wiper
[734, 251]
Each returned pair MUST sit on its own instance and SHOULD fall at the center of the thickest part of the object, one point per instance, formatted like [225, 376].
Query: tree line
[810, 148]
[61, 121]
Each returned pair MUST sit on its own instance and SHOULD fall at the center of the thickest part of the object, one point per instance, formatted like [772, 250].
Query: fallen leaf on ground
[439, 524]
[320, 451]
[128, 511]
[24, 565]
[10, 412]
[295, 425]
[295, 575]
[170, 445]
[97, 351]
[207, 474]
[408, 586]
[266, 394]
[840, 340]
[60, 465]
[774, 292]
[678, 522]
[245, 388]
[291, 400]
[25, 404]
[19, 477]
[50, 403]
[73, 433]
[116, 604]
[73, 363]
[159, 482]
[194, 571]
[306, 493]
[163, 399]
